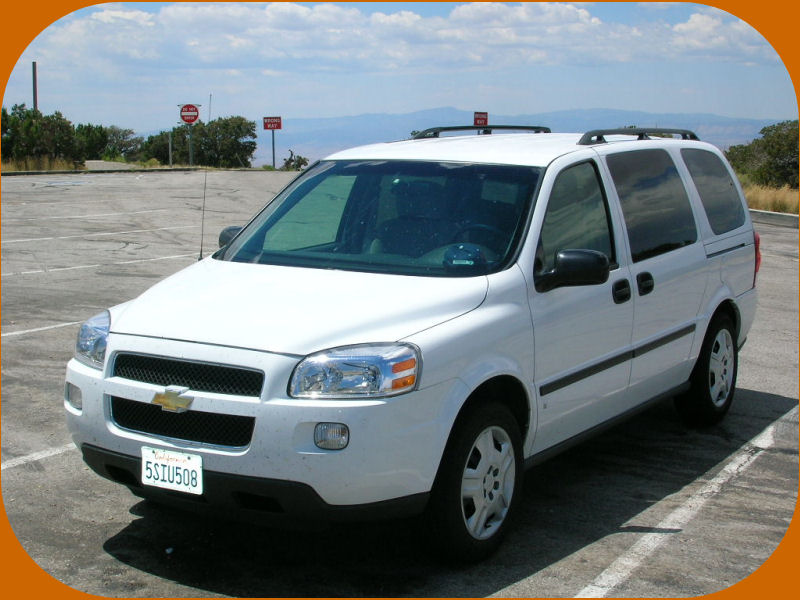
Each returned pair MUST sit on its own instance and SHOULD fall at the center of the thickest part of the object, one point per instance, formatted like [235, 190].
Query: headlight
[90, 347]
[370, 370]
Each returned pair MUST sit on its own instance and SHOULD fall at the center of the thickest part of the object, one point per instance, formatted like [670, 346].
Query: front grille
[197, 376]
[192, 425]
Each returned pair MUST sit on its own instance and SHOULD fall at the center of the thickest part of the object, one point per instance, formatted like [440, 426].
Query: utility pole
[191, 150]
[35, 89]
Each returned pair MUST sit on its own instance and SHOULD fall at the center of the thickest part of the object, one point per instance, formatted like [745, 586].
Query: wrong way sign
[272, 123]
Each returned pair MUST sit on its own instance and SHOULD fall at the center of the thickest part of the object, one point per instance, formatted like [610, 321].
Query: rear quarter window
[658, 215]
[716, 188]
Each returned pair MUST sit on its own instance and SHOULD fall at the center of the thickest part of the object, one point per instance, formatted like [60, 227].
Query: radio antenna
[203, 210]
[203, 214]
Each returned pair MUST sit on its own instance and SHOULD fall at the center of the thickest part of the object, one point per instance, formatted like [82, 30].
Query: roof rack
[434, 132]
[597, 136]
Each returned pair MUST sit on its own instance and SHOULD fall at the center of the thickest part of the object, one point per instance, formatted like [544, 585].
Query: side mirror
[574, 267]
[227, 234]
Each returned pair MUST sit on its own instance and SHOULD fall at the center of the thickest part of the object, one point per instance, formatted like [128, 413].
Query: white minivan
[408, 326]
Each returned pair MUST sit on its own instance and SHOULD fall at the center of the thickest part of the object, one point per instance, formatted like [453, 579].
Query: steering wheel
[478, 227]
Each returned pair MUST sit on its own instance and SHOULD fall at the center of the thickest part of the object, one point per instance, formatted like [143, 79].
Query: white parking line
[623, 567]
[21, 460]
[121, 262]
[91, 235]
[117, 214]
[35, 329]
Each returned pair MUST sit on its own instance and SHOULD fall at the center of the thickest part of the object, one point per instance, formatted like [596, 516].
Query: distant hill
[316, 138]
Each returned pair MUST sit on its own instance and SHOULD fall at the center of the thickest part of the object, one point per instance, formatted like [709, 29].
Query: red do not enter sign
[189, 113]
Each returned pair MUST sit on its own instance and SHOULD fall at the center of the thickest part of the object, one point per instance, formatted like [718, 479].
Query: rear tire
[478, 485]
[713, 381]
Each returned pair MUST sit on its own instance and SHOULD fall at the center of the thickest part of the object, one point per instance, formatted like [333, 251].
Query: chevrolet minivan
[408, 326]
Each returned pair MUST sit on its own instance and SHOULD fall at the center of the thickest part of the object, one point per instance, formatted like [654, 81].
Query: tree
[122, 143]
[58, 137]
[771, 160]
[225, 142]
[27, 133]
[157, 146]
[295, 162]
[90, 141]
[21, 131]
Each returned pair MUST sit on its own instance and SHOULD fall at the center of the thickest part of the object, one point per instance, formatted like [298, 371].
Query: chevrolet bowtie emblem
[173, 399]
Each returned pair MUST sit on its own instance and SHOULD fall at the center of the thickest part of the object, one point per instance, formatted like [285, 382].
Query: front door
[582, 333]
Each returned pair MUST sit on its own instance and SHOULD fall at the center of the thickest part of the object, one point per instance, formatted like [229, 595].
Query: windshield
[398, 217]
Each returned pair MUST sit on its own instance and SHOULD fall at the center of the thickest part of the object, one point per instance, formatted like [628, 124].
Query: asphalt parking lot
[649, 508]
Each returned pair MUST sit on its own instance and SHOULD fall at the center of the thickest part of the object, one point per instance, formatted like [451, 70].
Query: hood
[293, 310]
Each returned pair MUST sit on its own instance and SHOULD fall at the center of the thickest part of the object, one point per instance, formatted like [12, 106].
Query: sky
[131, 64]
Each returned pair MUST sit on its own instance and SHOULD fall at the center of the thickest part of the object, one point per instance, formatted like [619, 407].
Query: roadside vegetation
[768, 168]
[39, 163]
[32, 141]
[762, 197]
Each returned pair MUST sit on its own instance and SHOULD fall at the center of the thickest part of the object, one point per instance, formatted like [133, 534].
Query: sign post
[272, 123]
[189, 114]
[481, 119]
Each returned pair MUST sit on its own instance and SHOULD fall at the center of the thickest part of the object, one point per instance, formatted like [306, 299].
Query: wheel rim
[721, 368]
[487, 483]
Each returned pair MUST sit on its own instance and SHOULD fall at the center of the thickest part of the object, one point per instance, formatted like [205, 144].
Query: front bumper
[266, 501]
[394, 450]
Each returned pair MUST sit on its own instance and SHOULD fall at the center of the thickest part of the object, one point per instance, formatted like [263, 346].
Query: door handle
[621, 291]
[645, 282]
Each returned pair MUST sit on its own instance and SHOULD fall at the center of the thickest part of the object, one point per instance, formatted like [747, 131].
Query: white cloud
[713, 33]
[111, 15]
[328, 36]
[351, 60]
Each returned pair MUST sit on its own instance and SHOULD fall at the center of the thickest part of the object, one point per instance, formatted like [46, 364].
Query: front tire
[478, 485]
[713, 381]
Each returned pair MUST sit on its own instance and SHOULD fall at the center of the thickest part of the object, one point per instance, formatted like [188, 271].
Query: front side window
[716, 188]
[654, 202]
[576, 217]
[398, 217]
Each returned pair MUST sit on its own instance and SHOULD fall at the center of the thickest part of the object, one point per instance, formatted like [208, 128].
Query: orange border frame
[777, 21]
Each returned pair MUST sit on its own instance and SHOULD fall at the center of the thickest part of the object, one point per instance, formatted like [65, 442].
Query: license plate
[172, 470]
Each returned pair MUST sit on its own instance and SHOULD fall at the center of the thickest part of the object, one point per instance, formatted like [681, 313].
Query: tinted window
[657, 212]
[576, 217]
[313, 222]
[716, 188]
[399, 217]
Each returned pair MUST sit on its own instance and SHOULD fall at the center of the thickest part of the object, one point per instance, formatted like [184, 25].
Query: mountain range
[315, 138]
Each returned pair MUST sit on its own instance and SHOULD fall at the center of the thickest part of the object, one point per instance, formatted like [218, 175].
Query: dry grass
[42, 163]
[759, 197]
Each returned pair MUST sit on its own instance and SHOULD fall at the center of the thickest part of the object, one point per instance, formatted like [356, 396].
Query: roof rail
[597, 136]
[434, 132]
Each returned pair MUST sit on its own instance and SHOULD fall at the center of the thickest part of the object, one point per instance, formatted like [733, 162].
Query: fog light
[73, 396]
[331, 436]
